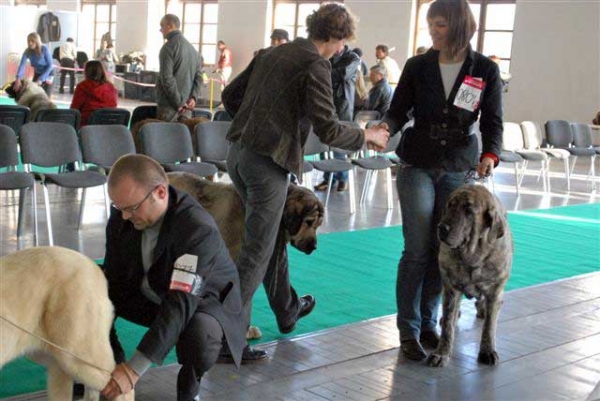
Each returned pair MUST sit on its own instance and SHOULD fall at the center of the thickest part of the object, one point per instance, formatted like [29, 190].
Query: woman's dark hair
[331, 21]
[460, 21]
[94, 70]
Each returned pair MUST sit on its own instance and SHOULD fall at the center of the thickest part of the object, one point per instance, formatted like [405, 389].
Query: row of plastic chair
[563, 140]
[57, 144]
[16, 116]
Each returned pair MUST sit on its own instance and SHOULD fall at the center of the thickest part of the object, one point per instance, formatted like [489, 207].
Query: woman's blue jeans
[423, 193]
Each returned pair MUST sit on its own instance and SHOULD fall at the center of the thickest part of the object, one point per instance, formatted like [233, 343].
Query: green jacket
[180, 76]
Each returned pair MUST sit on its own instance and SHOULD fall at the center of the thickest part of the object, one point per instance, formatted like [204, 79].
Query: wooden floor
[548, 341]
[548, 336]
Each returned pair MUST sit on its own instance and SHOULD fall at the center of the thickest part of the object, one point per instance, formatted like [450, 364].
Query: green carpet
[353, 276]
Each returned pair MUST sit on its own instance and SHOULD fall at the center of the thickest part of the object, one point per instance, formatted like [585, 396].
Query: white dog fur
[60, 295]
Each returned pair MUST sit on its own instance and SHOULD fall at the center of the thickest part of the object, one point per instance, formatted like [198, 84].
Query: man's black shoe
[412, 350]
[249, 355]
[78, 390]
[429, 339]
[306, 305]
[322, 186]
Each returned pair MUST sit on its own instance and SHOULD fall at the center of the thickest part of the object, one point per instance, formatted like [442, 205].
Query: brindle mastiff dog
[302, 216]
[475, 259]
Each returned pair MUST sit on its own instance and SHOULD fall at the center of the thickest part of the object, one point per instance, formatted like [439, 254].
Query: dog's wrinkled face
[302, 216]
[471, 215]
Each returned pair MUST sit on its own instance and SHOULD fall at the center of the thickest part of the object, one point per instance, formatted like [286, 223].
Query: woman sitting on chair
[95, 92]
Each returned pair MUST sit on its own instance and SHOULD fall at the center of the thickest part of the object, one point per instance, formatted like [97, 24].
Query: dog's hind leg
[487, 348]
[60, 384]
[451, 308]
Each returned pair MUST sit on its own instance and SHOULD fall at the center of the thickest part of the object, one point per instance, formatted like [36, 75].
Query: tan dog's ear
[291, 220]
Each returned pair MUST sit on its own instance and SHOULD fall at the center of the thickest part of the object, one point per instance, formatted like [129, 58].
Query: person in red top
[95, 92]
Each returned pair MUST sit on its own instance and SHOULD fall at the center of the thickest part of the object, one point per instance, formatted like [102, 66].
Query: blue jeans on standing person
[423, 193]
[341, 176]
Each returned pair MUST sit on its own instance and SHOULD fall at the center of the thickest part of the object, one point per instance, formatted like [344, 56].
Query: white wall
[555, 61]
[383, 22]
[244, 27]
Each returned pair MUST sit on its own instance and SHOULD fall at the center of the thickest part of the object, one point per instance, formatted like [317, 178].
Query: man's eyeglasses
[132, 209]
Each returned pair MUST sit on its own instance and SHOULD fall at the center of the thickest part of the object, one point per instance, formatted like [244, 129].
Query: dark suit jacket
[186, 229]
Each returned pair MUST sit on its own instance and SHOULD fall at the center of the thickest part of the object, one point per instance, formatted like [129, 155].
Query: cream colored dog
[61, 296]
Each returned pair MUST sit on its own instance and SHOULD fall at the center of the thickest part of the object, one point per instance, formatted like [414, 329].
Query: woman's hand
[485, 167]
[17, 85]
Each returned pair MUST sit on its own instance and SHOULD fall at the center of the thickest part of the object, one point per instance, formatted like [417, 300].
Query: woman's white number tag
[469, 93]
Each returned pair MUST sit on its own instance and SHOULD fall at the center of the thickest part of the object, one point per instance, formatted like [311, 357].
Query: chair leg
[567, 173]
[543, 176]
[390, 192]
[351, 191]
[548, 174]
[106, 202]
[592, 172]
[35, 216]
[522, 171]
[573, 165]
[517, 180]
[363, 194]
[328, 190]
[48, 218]
[20, 213]
[81, 207]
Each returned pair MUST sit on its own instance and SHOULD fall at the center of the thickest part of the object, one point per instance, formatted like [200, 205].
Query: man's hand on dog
[123, 380]
[377, 138]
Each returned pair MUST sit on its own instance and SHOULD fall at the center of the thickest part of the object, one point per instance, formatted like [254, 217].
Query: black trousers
[69, 63]
[47, 87]
[197, 349]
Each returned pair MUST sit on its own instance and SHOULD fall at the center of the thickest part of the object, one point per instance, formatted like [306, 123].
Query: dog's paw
[436, 360]
[488, 358]
[253, 333]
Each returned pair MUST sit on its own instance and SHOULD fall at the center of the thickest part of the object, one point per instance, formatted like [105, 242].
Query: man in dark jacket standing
[168, 269]
[282, 87]
[380, 95]
[180, 77]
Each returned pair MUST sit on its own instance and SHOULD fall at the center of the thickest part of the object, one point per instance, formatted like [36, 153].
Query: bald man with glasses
[168, 269]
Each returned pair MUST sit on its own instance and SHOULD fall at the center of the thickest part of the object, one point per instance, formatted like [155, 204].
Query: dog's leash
[80, 359]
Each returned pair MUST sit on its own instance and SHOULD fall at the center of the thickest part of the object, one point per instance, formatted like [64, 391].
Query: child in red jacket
[95, 92]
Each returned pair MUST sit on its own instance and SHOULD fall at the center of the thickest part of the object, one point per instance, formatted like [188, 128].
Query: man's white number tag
[469, 93]
[184, 276]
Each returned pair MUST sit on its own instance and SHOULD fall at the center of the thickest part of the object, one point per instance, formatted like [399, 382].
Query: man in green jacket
[180, 77]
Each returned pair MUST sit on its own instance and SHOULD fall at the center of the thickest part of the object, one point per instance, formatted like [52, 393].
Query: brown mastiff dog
[302, 215]
[475, 259]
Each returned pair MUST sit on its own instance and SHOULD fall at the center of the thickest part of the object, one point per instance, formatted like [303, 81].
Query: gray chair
[314, 146]
[222, 115]
[582, 139]
[14, 117]
[376, 163]
[66, 116]
[109, 116]
[16, 180]
[533, 140]
[143, 112]
[559, 135]
[47, 144]
[211, 143]
[170, 144]
[513, 140]
[510, 144]
[102, 145]
[202, 113]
